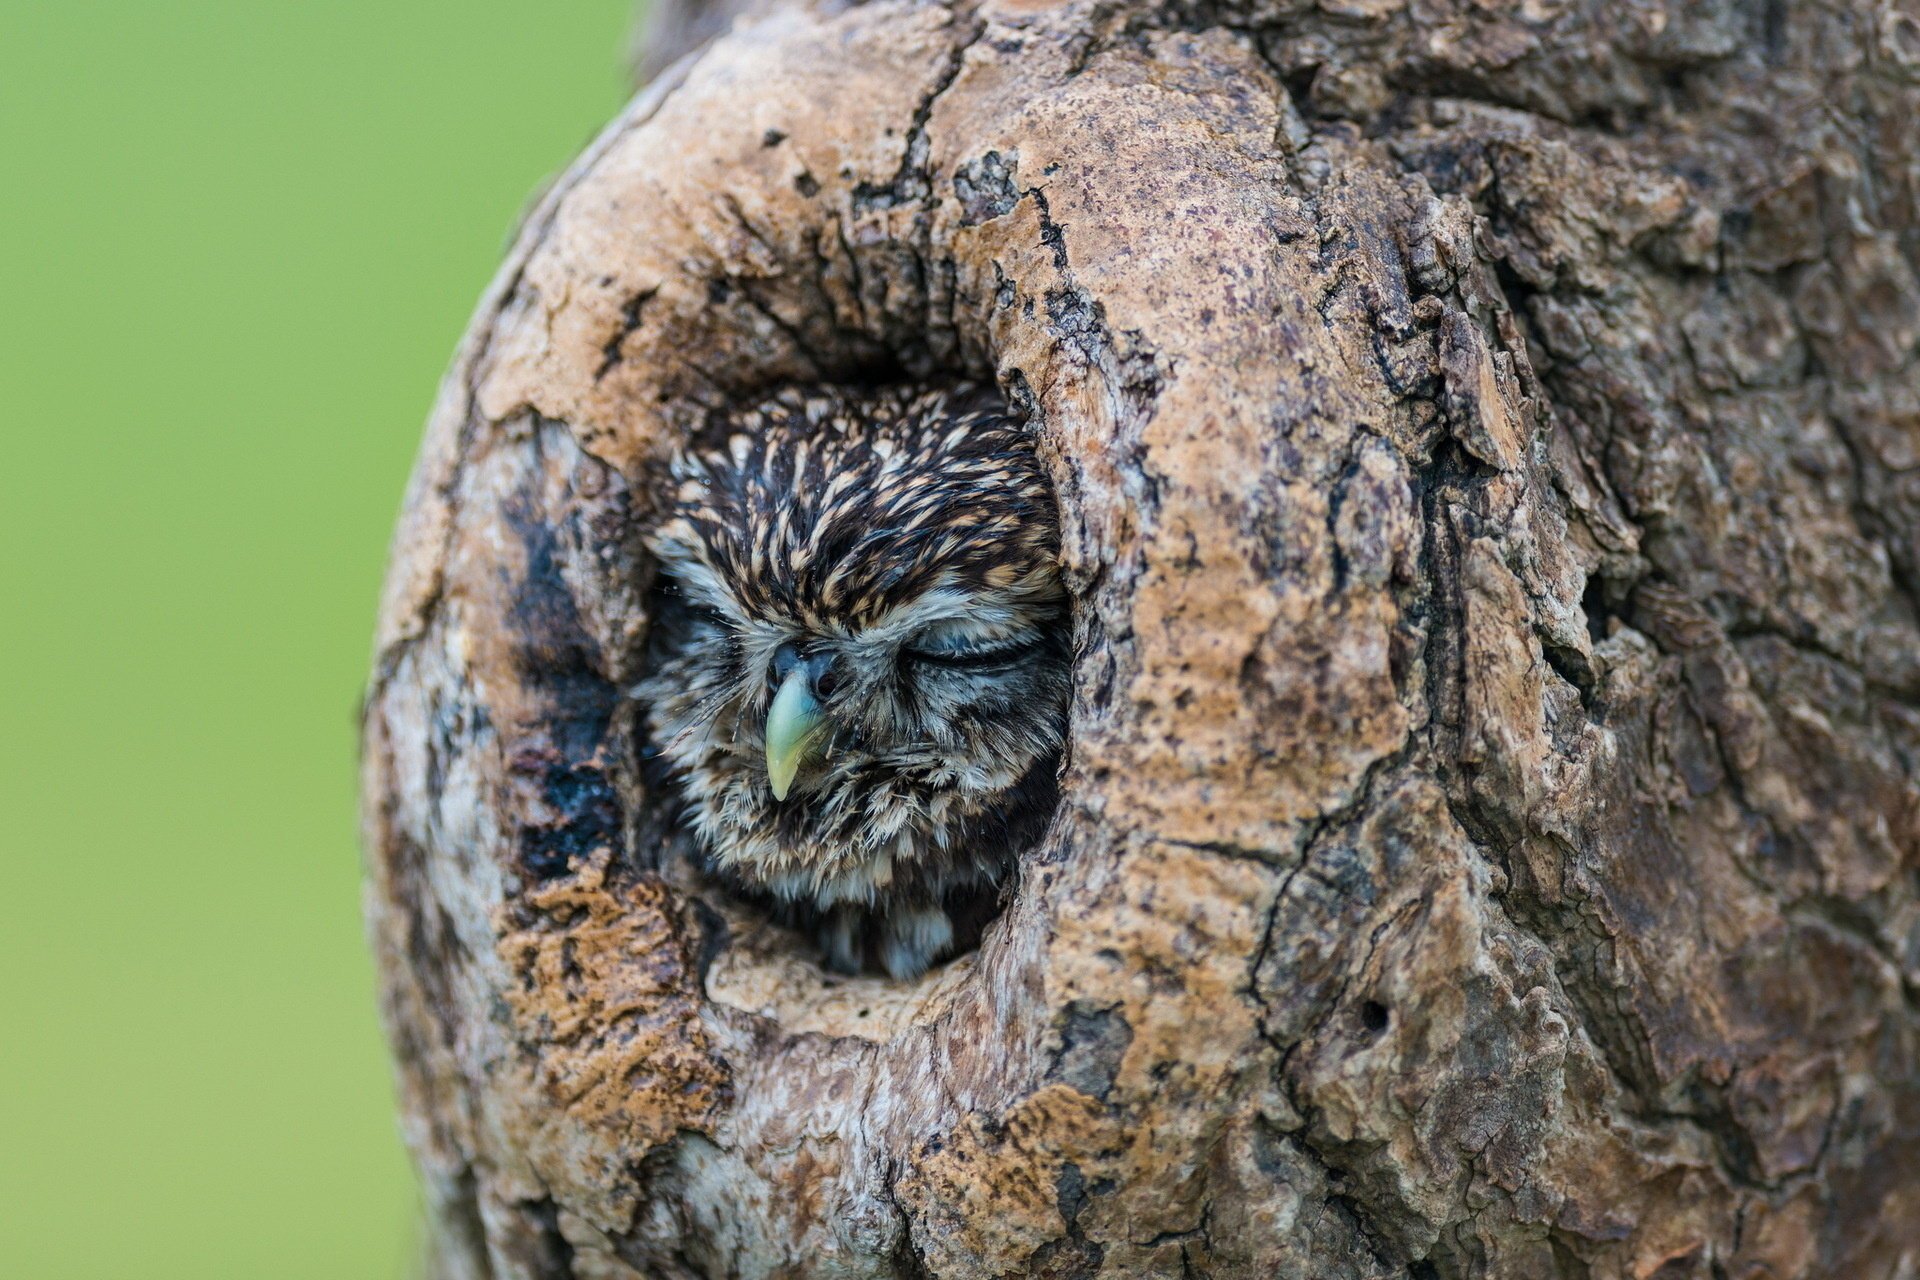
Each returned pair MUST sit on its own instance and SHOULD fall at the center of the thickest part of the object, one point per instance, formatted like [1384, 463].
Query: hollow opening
[855, 694]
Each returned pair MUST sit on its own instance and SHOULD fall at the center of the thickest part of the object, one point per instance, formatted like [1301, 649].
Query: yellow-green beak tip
[796, 730]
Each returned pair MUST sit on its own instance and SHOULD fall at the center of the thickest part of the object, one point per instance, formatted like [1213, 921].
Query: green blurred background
[239, 242]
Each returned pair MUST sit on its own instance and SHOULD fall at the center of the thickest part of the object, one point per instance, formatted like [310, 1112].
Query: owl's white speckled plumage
[883, 566]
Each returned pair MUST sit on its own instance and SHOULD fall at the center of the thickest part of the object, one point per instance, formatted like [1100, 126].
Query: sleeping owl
[858, 674]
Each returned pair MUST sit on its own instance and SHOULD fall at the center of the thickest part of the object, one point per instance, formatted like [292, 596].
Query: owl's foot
[912, 939]
[906, 940]
[840, 938]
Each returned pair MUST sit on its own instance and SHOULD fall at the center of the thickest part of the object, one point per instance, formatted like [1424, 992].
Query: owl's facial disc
[915, 684]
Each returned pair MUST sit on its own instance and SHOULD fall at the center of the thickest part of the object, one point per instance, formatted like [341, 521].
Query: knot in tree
[1247, 640]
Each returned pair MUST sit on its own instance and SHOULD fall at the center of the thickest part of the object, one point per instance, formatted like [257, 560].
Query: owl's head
[860, 668]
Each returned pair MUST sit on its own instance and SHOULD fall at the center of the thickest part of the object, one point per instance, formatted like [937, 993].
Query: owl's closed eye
[859, 675]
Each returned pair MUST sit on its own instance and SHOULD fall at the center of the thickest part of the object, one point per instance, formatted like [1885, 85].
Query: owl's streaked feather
[902, 548]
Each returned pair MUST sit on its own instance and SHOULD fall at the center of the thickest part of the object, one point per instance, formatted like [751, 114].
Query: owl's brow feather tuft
[811, 513]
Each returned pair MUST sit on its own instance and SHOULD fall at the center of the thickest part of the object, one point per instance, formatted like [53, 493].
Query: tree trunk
[1487, 434]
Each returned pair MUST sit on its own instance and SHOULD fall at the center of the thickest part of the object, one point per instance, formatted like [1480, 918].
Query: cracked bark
[1488, 441]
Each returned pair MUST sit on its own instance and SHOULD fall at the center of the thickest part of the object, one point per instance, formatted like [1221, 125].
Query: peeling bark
[1488, 443]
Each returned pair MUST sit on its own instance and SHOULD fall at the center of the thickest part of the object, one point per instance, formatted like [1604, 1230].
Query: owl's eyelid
[996, 655]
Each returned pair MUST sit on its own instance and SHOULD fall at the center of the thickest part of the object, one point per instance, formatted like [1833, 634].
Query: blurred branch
[667, 30]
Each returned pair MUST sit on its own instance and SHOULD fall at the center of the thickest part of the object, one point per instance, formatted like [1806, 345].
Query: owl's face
[860, 671]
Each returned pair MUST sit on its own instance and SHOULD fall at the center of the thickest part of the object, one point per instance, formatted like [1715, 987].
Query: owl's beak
[796, 730]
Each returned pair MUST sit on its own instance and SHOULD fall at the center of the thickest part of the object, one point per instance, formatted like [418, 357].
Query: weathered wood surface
[1488, 435]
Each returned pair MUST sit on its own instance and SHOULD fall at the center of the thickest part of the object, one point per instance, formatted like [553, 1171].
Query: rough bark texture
[1488, 437]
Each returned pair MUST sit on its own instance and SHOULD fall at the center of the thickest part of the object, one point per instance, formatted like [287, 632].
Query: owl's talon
[914, 940]
[837, 941]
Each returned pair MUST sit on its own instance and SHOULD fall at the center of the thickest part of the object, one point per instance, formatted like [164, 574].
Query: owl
[859, 667]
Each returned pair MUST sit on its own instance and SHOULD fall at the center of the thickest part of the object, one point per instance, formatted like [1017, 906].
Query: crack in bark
[630, 319]
[911, 182]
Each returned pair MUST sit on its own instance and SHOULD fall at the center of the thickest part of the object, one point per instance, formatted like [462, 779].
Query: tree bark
[1487, 434]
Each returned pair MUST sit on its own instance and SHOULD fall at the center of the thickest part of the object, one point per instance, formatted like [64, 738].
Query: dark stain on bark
[570, 806]
[583, 813]
[558, 659]
[1093, 1040]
